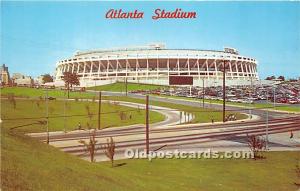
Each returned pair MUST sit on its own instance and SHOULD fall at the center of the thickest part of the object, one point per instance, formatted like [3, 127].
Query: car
[292, 101]
[51, 98]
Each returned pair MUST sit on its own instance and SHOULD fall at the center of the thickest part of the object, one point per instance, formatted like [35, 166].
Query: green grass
[120, 87]
[111, 114]
[31, 165]
[35, 93]
[201, 115]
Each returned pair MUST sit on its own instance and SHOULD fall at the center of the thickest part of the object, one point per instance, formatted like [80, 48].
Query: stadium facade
[154, 64]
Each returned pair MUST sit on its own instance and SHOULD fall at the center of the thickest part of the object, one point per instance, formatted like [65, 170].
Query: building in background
[19, 79]
[39, 80]
[154, 64]
[4, 75]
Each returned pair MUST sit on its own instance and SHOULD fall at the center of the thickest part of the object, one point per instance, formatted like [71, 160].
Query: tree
[109, 150]
[70, 79]
[12, 100]
[257, 145]
[91, 145]
[47, 78]
[281, 78]
[271, 78]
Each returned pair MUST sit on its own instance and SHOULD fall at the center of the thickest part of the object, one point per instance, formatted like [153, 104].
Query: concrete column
[136, 67]
[126, 67]
[107, 68]
[68, 66]
[250, 69]
[147, 71]
[84, 68]
[117, 68]
[247, 72]
[189, 67]
[99, 68]
[230, 67]
[78, 66]
[157, 65]
[168, 66]
[178, 68]
[207, 71]
[73, 67]
[91, 69]
[216, 70]
[237, 70]
[242, 69]
[198, 67]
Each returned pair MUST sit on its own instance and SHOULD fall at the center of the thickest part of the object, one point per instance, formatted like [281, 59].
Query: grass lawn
[111, 114]
[120, 87]
[35, 93]
[31, 165]
[201, 115]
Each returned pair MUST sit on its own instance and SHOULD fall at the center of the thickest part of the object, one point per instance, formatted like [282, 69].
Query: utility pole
[251, 91]
[99, 110]
[267, 130]
[126, 85]
[47, 116]
[203, 92]
[267, 124]
[68, 84]
[147, 124]
[274, 96]
[65, 115]
[224, 91]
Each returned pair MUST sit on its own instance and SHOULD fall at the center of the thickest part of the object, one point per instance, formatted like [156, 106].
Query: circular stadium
[154, 64]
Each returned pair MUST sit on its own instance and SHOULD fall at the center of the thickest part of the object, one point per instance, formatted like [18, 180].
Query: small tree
[89, 112]
[38, 104]
[270, 78]
[12, 100]
[109, 150]
[47, 78]
[281, 78]
[70, 79]
[122, 115]
[257, 145]
[90, 145]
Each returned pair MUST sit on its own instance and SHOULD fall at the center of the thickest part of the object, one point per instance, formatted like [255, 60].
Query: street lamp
[95, 89]
[274, 96]
[267, 124]
[203, 92]
[251, 91]
[267, 129]
[224, 89]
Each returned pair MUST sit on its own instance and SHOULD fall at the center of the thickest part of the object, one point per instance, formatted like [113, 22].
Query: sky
[35, 35]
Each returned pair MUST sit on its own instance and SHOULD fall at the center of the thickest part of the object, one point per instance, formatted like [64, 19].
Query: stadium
[153, 64]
